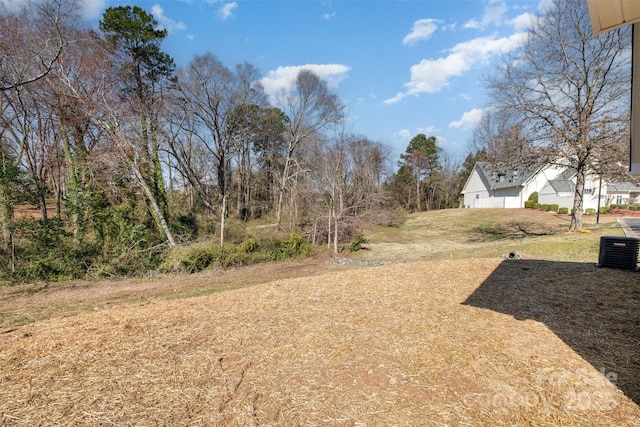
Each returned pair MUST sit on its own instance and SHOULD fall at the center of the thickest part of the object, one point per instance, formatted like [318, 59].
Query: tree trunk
[578, 199]
[223, 214]
[283, 183]
[335, 234]
[158, 215]
[6, 216]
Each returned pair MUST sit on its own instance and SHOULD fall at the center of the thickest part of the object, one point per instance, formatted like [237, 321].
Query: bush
[605, 209]
[249, 246]
[533, 197]
[563, 211]
[292, 247]
[634, 207]
[357, 242]
[188, 259]
[234, 231]
[590, 211]
[45, 251]
[614, 206]
[535, 205]
[543, 207]
[528, 204]
[553, 207]
[199, 256]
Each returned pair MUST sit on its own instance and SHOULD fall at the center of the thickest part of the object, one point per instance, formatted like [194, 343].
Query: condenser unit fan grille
[618, 252]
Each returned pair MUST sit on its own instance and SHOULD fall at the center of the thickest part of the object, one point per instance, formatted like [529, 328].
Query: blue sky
[402, 67]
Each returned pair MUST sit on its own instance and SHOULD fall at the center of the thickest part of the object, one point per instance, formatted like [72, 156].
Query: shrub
[356, 243]
[590, 211]
[45, 251]
[295, 246]
[563, 211]
[535, 205]
[234, 231]
[528, 204]
[199, 256]
[543, 207]
[614, 206]
[533, 197]
[189, 259]
[605, 209]
[292, 247]
[553, 207]
[634, 207]
[249, 246]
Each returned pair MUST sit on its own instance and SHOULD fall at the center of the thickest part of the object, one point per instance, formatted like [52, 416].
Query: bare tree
[32, 38]
[571, 91]
[310, 107]
[499, 137]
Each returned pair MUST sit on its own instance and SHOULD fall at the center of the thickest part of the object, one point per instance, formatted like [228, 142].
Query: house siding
[481, 191]
[548, 195]
[476, 193]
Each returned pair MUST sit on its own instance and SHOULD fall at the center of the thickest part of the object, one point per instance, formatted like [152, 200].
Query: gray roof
[623, 187]
[504, 177]
[562, 185]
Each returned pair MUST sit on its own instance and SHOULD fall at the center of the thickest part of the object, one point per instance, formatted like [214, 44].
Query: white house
[504, 188]
[489, 187]
[623, 193]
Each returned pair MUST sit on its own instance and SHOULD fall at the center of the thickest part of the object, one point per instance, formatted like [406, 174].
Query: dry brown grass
[446, 342]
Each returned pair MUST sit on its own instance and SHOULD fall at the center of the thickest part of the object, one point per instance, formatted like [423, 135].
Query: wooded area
[127, 156]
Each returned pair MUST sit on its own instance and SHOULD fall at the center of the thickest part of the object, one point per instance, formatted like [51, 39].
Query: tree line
[127, 155]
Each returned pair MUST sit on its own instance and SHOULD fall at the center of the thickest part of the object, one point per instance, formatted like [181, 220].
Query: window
[619, 199]
[588, 191]
[477, 196]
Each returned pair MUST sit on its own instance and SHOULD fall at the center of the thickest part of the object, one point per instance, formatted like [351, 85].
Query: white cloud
[432, 75]
[404, 134]
[164, 21]
[494, 12]
[469, 119]
[472, 24]
[422, 30]
[226, 11]
[327, 16]
[545, 5]
[89, 9]
[283, 78]
[450, 27]
[428, 131]
[92, 9]
[523, 22]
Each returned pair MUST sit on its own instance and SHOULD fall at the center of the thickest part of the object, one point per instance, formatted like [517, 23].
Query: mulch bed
[451, 342]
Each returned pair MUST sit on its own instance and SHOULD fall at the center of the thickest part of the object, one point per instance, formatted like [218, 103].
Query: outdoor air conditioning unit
[619, 252]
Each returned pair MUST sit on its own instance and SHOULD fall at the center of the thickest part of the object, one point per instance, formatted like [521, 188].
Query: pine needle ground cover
[441, 342]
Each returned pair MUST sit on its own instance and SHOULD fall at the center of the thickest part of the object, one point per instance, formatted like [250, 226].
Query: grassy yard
[467, 233]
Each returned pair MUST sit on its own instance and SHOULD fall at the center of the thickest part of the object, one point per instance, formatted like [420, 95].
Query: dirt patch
[448, 342]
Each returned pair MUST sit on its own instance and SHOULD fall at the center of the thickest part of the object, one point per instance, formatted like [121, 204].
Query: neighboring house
[561, 191]
[623, 193]
[487, 187]
[504, 188]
